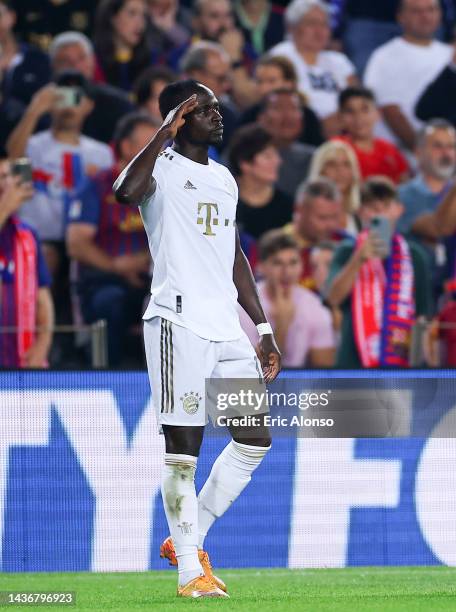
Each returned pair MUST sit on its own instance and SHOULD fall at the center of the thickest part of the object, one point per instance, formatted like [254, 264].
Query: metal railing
[96, 335]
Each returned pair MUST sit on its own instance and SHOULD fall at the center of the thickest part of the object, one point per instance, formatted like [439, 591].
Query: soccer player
[192, 330]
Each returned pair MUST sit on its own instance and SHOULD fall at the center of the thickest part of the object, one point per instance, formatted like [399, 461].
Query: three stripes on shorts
[166, 367]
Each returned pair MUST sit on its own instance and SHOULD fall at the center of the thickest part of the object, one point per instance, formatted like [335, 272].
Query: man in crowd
[61, 158]
[25, 299]
[208, 63]
[381, 287]
[436, 152]
[214, 21]
[358, 114]
[282, 116]
[109, 243]
[399, 71]
[74, 51]
[321, 73]
[148, 87]
[302, 325]
[316, 218]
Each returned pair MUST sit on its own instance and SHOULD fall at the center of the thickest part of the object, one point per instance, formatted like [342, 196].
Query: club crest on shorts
[190, 402]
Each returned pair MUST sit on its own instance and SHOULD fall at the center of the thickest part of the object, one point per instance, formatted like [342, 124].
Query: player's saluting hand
[174, 120]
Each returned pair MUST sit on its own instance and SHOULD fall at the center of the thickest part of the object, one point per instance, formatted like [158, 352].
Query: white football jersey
[190, 224]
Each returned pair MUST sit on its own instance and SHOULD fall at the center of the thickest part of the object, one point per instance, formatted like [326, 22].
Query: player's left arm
[250, 302]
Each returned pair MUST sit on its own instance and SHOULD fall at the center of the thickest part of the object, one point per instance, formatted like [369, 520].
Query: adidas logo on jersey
[189, 185]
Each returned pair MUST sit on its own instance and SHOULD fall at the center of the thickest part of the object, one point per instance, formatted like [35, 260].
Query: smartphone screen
[23, 168]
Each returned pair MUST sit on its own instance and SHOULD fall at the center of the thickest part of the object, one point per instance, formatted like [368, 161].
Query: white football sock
[230, 474]
[181, 509]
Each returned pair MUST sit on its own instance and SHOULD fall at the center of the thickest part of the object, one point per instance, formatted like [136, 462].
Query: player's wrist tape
[264, 329]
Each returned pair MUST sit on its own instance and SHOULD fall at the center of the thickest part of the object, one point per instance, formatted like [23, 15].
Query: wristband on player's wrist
[264, 329]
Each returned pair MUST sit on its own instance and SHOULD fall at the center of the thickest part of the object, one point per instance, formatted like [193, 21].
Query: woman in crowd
[335, 160]
[255, 162]
[121, 42]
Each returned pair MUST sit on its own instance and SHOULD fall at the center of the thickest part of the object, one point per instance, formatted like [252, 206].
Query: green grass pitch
[407, 589]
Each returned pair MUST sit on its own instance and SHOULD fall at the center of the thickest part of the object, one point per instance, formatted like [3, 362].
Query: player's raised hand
[174, 120]
[270, 357]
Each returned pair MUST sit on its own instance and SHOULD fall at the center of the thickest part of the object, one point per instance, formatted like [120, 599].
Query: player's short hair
[430, 126]
[65, 39]
[282, 63]
[128, 124]
[175, 93]
[143, 84]
[196, 56]
[298, 9]
[378, 188]
[355, 92]
[273, 242]
[317, 188]
[245, 144]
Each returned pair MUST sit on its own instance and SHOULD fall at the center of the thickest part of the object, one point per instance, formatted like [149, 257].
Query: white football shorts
[179, 362]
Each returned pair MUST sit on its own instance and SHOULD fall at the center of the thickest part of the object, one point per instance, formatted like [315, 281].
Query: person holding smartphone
[26, 308]
[380, 282]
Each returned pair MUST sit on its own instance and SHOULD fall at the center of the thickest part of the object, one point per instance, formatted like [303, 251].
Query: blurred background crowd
[339, 128]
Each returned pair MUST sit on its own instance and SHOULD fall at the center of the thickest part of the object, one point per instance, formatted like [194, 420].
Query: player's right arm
[136, 183]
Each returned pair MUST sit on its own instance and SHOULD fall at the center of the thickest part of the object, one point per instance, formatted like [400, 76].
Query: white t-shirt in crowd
[398, 72]
[59, 172]
[321, 82]
[190, 224]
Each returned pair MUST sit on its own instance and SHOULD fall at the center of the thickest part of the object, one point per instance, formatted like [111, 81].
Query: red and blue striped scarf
[18, 301]
[383, 307]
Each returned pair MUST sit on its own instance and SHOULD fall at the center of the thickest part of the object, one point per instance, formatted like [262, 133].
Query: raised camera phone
[68, 97]
[382, 227]
[23, 168]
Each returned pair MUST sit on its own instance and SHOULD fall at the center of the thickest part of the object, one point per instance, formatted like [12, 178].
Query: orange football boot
[167, 551]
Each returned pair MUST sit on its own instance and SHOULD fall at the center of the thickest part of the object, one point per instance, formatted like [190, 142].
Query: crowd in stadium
[337, 115]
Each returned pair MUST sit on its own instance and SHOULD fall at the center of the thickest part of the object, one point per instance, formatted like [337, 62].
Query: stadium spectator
[336, 161]
[39, 21]
[399, 71]
[321, 257]
[375, 156]
[436, 154]
[316, 215]
[121, 43]
[61, 158]
[109, 243]
[274, 72]
[74, 51]
[439, 98]
[148, 88]
[208, 63]
[171, 19]
[281, 115]
[363, 281]
[261, 22]
[321, 74]
[25, 299]
[24, 69]
[255, 163]
[302, 325]
[363, 26]
[214, 21]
